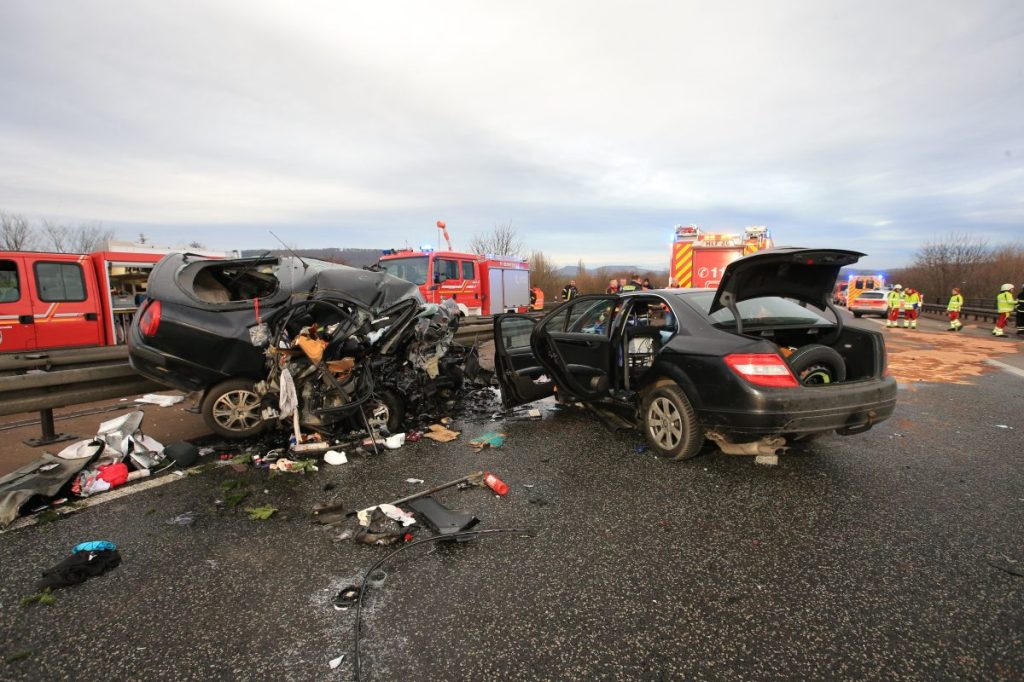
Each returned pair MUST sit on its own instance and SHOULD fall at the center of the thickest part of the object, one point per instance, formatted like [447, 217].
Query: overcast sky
[594, 127]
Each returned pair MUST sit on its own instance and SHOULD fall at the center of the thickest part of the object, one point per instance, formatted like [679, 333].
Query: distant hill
[357, 258]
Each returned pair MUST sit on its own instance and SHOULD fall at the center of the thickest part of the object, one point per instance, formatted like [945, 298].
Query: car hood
[807, 275]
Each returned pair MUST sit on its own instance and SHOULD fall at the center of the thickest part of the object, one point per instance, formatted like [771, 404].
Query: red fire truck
[699, 259]
[64, 300]
[479, 285]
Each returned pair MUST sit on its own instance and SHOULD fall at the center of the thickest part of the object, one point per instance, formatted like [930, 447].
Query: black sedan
[764, 356]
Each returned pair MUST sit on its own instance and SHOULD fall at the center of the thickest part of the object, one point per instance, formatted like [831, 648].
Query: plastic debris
[415, 481]
[161, 400]
[186, 519]
[335, 662]
[394, 442]
[261, 513]
[335, 458]
[391, 511]
[496, 484]
[488, 440]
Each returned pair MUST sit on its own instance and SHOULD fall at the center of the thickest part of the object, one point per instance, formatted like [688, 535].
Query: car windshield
[758, 312]
[412, 269]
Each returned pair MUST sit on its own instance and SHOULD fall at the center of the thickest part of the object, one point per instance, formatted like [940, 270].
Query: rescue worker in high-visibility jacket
[895, 301]
[569, 291]
[911, 304]
[1004, 306]
[956, 302]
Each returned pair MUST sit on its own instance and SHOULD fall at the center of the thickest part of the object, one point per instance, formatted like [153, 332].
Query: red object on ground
[494, 483]
[114, 474]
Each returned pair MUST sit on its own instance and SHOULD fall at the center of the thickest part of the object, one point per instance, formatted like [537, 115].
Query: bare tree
[90, 237]
[16, 234]
[58, 235]
[196, 245]
[503, 240]
[143, 239]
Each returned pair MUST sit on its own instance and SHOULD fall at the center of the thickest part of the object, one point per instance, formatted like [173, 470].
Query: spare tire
[815, 365]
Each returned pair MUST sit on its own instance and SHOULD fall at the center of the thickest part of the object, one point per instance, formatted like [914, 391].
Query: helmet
[1006, 287]
[898, 287]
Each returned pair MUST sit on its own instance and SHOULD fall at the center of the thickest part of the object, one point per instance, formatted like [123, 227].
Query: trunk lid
[807, 275]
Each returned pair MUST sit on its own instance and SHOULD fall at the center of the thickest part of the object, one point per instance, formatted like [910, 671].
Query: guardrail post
[49, 435]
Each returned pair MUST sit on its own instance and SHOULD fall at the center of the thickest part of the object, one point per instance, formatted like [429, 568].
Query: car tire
[670, 422]
[232, 409]
[858, 314]
[816, 364]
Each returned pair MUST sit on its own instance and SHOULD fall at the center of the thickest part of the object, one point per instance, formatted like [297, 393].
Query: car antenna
[290, 249]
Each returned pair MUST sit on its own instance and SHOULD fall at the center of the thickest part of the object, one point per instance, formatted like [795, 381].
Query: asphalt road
[867, 557]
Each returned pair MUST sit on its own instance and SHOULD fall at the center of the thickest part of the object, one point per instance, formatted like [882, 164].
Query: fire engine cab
[699, 258]
[65, 300]
[479, 285]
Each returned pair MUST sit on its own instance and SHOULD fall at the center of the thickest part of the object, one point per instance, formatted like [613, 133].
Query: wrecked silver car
[321, 346]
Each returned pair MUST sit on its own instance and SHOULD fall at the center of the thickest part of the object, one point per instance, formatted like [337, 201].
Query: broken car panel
[261, 335]
[750, 361]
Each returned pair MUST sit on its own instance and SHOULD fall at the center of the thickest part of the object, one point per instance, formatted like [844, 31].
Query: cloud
[593, 126]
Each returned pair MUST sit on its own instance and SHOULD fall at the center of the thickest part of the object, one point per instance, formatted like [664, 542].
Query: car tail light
[762, 369]
[150, 320]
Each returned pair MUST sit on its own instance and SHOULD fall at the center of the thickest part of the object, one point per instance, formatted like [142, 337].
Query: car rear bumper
[850, 407]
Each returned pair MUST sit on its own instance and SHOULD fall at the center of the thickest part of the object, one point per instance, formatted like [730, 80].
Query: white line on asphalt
[99, 499]
[1009, 368]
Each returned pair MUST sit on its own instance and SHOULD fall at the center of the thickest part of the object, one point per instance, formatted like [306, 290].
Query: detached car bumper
[849, 408]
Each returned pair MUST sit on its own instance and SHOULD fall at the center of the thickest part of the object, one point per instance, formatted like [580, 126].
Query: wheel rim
[380, 414]
[237, 410]
[665, 423]
[816, 376]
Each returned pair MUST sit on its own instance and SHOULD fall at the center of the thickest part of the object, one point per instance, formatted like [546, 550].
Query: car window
[515, 332]
[762, 311]
[412, 269]
[448, 268]
[467, 270]
[59, 282]
[591, 317]
[871, 294]
[651, 313]
[10, 287]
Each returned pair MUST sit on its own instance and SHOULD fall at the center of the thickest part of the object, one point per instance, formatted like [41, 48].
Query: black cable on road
[435, 538]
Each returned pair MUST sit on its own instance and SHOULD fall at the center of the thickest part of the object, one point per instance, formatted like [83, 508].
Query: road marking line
[1009, 368]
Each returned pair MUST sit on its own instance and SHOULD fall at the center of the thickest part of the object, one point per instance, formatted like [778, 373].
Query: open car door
[522, 378]
[574, 343]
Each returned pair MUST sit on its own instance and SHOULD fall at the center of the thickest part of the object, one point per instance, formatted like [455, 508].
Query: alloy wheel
[237, 410]
[665, 423]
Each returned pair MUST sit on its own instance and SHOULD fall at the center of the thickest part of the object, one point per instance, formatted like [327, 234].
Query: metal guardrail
[44, 380]
[984, 314]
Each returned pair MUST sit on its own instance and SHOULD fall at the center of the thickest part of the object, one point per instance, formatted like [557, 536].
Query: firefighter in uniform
[570, 291]
[1004, 306]
[911, 304]
[895, 301]
[956, 302]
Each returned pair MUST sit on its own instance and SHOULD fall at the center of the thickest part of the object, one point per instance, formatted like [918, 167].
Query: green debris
[45, 598]
[17, 656]
[235, 499]
[48, 516]
[151, 510]
[261, 513]
[245, 459]
[200, 469]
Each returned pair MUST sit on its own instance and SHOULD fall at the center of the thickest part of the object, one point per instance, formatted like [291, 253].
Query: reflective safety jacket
[1005, 302]
[913, 300]
[956, 301]
[895, 299]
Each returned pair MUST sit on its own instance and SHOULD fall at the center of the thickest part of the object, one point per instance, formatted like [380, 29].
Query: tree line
[974, 265]
[20, 233]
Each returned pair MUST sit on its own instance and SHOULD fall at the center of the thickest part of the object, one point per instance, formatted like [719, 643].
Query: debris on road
[335, 458]
[160, 400]
[440, 518]
[87, 560]
[496, 484]
[414, 481]
[770, 445]
[440, 433]
[186, 519]
[488, 440]
[335, 662]
[260, 513]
